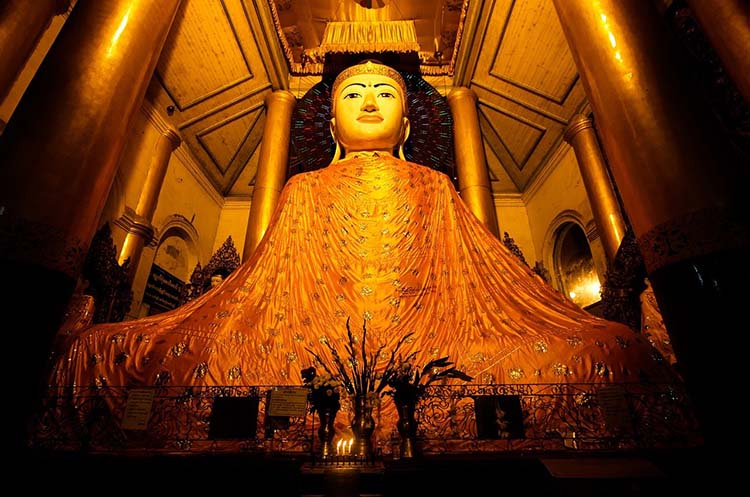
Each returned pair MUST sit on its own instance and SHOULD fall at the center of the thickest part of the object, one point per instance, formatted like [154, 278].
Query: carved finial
[514, 249]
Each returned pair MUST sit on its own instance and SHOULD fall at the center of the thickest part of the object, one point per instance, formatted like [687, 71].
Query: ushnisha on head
[369, 107]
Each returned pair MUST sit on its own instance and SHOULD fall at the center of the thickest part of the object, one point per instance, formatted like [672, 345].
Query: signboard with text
[138, 409]
[289, 401]
[162, 290]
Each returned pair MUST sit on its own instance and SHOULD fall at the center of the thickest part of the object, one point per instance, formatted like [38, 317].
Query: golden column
[22, 23]
[141, 230]
[471, 165]
[727, 26]
[272, 165]
[581, 135]
[682, 188]
[58, 158]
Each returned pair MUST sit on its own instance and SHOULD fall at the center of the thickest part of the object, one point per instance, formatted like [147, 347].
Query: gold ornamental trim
[369, 36]
[693, 235]
[369, 68]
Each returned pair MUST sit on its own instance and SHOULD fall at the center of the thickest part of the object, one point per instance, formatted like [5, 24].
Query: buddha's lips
[370, 118]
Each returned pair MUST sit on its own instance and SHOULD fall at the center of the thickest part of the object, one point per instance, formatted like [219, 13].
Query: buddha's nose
[370, 103]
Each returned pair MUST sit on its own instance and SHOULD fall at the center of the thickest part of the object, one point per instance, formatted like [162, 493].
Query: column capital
[461, 92]
[578, 123]
[173, 136]
[135, 224]
[284, 96]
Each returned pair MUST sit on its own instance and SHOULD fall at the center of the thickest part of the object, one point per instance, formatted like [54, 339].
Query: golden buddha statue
[379, 240]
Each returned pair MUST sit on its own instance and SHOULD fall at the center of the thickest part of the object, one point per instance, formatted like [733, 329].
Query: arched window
[175, 256]
[574, 265]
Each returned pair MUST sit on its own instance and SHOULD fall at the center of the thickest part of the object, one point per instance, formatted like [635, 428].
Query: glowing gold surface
[473, 178]
[272, 162]
[604, 204]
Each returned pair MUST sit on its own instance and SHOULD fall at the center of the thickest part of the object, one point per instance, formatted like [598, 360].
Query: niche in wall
[168, 274]
[574, 266]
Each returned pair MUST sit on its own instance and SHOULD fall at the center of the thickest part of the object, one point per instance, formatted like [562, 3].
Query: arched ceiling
[224, 56]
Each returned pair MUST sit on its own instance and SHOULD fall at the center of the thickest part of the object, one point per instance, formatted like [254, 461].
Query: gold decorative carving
[224, 261]
[514, 248]
[698, 233]
[107, 280]
[624, 283]
[370, 36]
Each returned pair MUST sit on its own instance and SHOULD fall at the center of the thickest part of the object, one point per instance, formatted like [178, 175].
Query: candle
[338, 447]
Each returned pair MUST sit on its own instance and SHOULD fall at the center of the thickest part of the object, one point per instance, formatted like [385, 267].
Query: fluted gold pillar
[272, 165]
[727, 26]
[141, 230]
[604, 205]
[471, 165]
[22, 23]
[58, 158]
[683, 190]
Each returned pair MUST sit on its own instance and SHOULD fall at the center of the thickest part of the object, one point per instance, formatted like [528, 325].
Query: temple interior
[556, 261]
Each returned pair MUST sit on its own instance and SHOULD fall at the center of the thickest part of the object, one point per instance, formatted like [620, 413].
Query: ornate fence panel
[451, 419]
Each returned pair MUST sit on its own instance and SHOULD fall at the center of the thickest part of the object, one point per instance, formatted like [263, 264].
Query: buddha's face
[369, 113]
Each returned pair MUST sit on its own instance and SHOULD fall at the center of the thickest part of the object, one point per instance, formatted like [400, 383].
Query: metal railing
[451, 419]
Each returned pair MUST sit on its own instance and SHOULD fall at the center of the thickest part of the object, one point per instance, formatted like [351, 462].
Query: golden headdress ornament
[369, 66]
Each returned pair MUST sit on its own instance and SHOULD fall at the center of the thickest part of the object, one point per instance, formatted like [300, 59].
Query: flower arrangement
[324, 390]
[357, 374]
[407, 382]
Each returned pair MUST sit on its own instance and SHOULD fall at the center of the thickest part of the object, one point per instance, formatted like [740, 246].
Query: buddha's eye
[386, 94]
[353, 94]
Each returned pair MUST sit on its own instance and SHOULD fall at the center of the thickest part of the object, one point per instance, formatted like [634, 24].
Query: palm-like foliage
[408, 382]
[359, 373]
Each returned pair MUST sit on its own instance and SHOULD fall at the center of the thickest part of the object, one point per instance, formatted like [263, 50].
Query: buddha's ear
[405, 130]
[332, 128]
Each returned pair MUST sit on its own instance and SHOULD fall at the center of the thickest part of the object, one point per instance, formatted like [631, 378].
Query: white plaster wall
[561, 195]
[233, 222]
[512, 217]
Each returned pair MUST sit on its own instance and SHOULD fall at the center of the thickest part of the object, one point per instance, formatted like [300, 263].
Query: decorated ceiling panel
[224, 56]
[526, 82]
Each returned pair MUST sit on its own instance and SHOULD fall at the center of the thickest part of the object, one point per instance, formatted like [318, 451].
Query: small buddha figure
[382, 241]
[216, 280]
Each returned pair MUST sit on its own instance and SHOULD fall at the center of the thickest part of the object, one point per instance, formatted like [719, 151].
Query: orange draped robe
[382, 241]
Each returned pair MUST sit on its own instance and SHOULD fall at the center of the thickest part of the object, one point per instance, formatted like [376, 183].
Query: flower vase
[363, 427]
[326, 431]
[407, 428]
